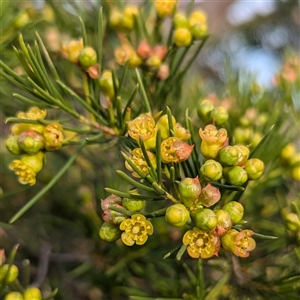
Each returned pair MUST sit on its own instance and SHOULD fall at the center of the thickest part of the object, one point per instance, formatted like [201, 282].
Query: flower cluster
[290, 157]
[31, 141]
[84, 57]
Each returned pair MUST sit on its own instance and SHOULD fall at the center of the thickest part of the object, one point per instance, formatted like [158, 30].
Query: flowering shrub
[188, 176]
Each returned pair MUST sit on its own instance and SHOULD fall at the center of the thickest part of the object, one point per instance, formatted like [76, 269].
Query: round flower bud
[133, 205]
[235, 175]
[288, 152]
[295, 172]
[219, 115]
[211, 170]
[13, 273]
[165, 8]
[12, 145]
[180, 20]
[189, 190]
[199, 31]
[177, 215]
[163, 125]
[87, 57]
[235, 210]
[110, 200]
[22, 19]
[228, 156]
[35, 162]
[254, 168]
[31, 142]
[14, 296]
[255, 139]
[197, 17]
[242, 135]
[153, 62]
[107, 85]
[109, 232]
[204, 219]
[144, 50]
[292, 222]
[243, 153]
[32, 294]
[115, 19]
[209, 196]
[204, 110]
[182, 37]
[53, 136]
[224, 222]
[114, 217]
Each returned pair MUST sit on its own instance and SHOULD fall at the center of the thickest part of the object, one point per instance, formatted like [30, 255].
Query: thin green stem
[200, 287]
[51, 183]
[143, 91]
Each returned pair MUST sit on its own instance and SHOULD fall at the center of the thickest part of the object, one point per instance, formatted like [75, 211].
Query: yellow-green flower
[165, 8]
[136, 230]
[201, 243]
[212, 140]
[72, 50]
[139, 161]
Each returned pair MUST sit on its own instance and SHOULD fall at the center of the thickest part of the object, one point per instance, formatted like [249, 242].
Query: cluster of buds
[31, 141]
[189, 28]
[231, 163]
[290, 158]
[213, 228]
[117, 225]
[209, 113]
[83, 57]
[123, 20]
[9, 275]
[250, 128]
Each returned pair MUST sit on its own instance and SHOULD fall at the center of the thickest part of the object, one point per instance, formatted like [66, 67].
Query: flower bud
[17, 129]
[72, 50]
[144, 50]
[31, 142]
[180, 20]
[113, 217]
[32, 293]
[189, 190]
[199, 31]
[182, 37]
[219, 115]
[255, 139]
[209, 196]
[204, 110]
[163, 72]
[201, 244]
[288, 152]
[109, 232]
[295, 172]
[115, 19]
[160, 51]
[181, 133]
[204, 219]
[197, 17]
[53, 136]
[292, 222]
[14, 296]
[165, 8]
[35, 162]
[228, 156]
[254, 168]
[125, 53]
[13, 273]
[106, 84]
[235, 175]
[87, 57]
[174, 150]
[137, 157]
[12, 145]
[212, 141]
[242, 135]
[235, 210]
[243, 153]
[177, 215]
[224, 222]
[110, 200]
[128, 18]
[153, 62]
[211, 170]
[163, 125]
[133, 205]
[22, 19]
